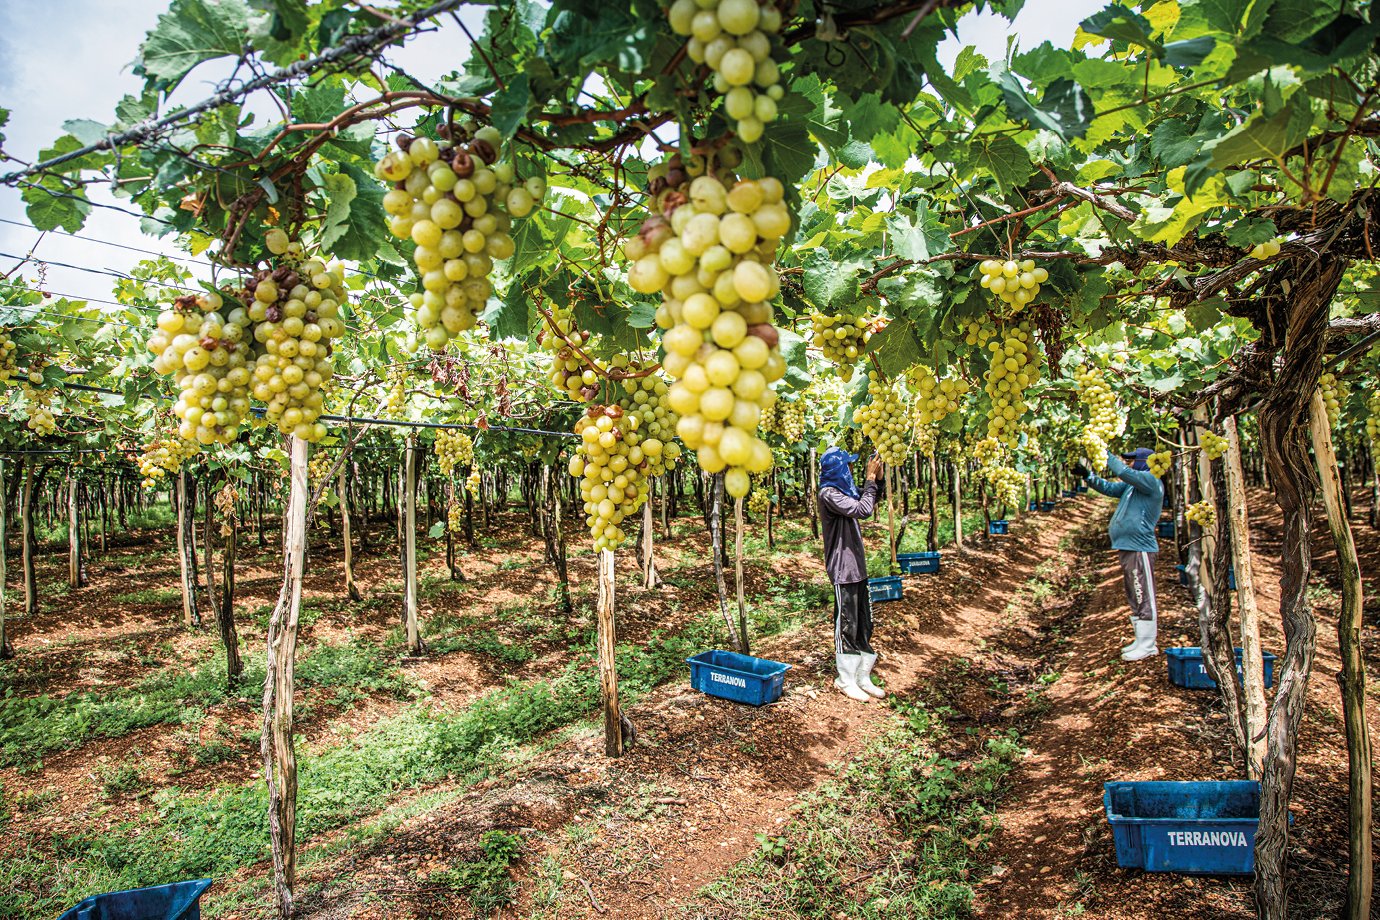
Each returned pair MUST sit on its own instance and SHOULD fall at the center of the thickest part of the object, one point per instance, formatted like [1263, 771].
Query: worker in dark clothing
[1140, 496]
[841, 506]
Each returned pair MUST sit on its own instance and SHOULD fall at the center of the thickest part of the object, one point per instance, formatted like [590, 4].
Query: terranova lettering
[729, 679]
[1206, 838]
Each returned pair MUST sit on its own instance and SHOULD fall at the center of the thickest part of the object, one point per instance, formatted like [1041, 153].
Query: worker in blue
[1140, 496]
[841, 506]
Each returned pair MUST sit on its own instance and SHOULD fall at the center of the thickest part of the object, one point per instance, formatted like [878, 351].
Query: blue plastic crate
[918, 563]
[1047, 506]
[1066, 493]
[1231, 579]
[1164, 529]
[1186, 668]
[178, 901]
[1205, 828]
[741, 678]
[1033, 506]
[886, 588]
[1183, 574]
[999, 528]
[1080, 488]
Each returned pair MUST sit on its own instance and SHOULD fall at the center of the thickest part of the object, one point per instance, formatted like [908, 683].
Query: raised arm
[843, 506]
[1143, 481]
[1109, 489]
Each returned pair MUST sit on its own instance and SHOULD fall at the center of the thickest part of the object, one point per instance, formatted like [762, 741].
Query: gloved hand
[1080, 471]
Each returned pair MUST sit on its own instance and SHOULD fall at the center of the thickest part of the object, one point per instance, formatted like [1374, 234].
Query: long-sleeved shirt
[839, 514]
[1141, 497]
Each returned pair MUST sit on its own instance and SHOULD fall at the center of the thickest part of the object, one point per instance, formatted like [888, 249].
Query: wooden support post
[888, 474]
[190, 615]
[745, 643]
[6, 651]
[1252, 662]
[343, 494]
[275, 745]
[958, 505]
[646, 547]
[26, 539]
[812, 494]
[932, 537]
[1352, 679]
[75, 577]
[608, 666]
[414, 634]
[716, 541]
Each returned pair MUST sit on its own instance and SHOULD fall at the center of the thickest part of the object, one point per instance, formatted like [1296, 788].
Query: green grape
[936, 398]
[611, 465]
[884, 420]
[1332, 395]
[736, 39]
[1202, 513]
[1104, 421]
[842, 338]
[9, 361]
[1214, 445]
[1373, 419]
[1014, 367]
[1160, 462]
[1014, 283]
[206, 350]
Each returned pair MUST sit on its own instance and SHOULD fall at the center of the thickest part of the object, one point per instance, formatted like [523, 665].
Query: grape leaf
[190, 32]
[1261, 138]
[1065, 108]
[50, 207]
[340, 192]
[918, 237]
[1121, 24]
[1007, 161]
[827, 285]
[510, 105]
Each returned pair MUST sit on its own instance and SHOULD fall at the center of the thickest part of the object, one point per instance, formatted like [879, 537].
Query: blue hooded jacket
[835, 471]
[841, 506]
[1141, 500]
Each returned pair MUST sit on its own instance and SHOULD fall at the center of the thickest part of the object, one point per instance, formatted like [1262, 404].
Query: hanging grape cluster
[760, 499]
[1014, 367]
[842, 337]
[1202, 513]
[9, 359]
[294, 312]
[207, 353]
[884, 420]
[1214, 445]
[1104, 422]
[935, 398]
[708, 249]
[1331, 389]
[734, 37]
[785, 419]
[1014, 283]
[457, 203]
[41, 421]
[163, 455]
[611, 465]
[1373, 419]
[1159, 463]
[1007, 485]
[571, 372]
[454, 450]
[646, 402]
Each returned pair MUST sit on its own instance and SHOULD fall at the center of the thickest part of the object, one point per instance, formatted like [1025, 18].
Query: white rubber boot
[1132, 644]
[847, 680]
[1144, 646]
[864, 679]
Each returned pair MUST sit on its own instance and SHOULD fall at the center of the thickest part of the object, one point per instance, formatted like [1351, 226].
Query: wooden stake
[5, 650]
[745, 643]
[716, 537]
[343, 494]
[276, 748]
[1352, 679]
[608, 666]
[958, 505]
[74, 573]
[414, 634]
[887, 475]
[190, 616]
[1252, 662]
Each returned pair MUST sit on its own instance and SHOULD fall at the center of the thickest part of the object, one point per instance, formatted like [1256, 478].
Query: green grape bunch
[1373, 419]
[457, 202]
[936, 399]
[1014, 367]
[708, 250]
[884, 420]
[735, 38]
[9, 359]
[842, 338]
[1007, 485]
[41, 420]
[1014, 283]
[1104, 421]
[1213, 444]
[454, 450]
[611, 463]
[646, 403]
[1332, 396]
[163, 455]
[572, 372]
[760, 499]
[294, 315]
[1159, 463]
[206, 349]
[1202, 513]
[785, 419]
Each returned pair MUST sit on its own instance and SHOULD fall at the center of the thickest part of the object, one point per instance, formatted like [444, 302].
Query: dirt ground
[639, 837]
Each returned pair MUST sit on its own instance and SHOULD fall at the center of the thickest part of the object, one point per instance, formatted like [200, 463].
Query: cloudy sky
[50, 74]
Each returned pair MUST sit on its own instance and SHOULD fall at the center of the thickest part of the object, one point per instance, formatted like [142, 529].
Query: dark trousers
[1138, 571]
[852, 619]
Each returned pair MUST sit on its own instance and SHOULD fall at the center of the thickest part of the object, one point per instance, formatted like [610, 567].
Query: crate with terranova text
[741, 678]
[178, 901]
[1186, 668]
[918, 563]
[885, 588]
[1164, 529]
[1198, 828]
[999, 528]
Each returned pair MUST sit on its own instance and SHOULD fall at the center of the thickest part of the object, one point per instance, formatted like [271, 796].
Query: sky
[50, 75]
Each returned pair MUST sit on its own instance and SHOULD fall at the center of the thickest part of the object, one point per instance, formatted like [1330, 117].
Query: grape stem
[594, 365]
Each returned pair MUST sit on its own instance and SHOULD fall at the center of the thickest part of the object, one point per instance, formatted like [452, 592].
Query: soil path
[1114, 721]
[647, 831]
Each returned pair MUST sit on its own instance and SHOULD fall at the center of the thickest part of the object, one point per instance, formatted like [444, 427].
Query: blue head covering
[834, 471]
[1137, 458]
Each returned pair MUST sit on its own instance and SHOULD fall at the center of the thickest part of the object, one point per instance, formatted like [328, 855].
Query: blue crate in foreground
[1186, 668]
[1205, 828]
[1164, 529]
[999, 528]
[886, 588]
[741, 678]
[178, 901]
[917, 564]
